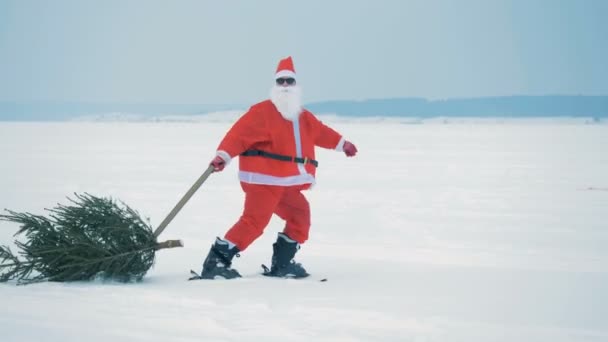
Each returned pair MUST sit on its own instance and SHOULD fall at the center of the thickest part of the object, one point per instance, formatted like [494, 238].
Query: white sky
[226, 51]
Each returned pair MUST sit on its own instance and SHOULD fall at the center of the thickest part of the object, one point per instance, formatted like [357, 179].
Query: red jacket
[264, 128]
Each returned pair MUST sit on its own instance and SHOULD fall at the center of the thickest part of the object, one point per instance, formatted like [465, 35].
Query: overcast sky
[213, 52]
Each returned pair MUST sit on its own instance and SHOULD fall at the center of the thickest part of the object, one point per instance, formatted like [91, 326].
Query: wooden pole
[178, 207]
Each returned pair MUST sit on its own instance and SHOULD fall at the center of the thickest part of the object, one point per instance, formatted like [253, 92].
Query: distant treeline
[508, 106]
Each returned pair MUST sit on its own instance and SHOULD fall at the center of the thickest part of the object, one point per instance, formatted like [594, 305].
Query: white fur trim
[260, 178]
[224, 155]
[340, 146]
[285, 73]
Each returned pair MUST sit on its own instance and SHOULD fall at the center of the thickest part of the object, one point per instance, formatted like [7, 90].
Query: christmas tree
[92, 238]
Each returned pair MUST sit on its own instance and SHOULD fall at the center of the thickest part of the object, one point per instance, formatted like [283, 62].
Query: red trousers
[261, 201]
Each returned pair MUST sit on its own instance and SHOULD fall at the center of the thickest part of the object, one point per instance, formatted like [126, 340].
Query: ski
[266, 272]
[195, 276]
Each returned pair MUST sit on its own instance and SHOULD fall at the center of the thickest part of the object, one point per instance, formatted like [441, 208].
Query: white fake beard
[288, 101]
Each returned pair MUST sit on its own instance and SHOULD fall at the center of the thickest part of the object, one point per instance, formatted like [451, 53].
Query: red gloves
[218, 164]
[349, 149]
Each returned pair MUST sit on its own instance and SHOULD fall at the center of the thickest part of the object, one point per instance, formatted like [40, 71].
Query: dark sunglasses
[288, 80]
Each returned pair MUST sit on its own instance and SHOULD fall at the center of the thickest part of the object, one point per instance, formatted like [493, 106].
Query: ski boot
[218, 261]
[283, 264]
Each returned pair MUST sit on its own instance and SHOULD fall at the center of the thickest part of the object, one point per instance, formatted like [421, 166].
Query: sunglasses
[288, 80]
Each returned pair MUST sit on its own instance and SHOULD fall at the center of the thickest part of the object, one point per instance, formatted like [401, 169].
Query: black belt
[250, 153]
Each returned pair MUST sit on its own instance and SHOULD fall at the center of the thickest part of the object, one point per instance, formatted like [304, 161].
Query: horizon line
[429, 99]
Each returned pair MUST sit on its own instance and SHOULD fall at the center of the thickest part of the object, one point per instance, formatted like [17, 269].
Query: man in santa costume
[275, 141]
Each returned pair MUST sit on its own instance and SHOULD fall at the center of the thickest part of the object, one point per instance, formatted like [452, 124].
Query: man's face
[286, 96]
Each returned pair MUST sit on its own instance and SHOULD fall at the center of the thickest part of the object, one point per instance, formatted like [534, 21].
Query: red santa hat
[285, 68]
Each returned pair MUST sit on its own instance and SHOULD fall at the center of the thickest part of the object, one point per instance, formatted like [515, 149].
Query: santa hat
[285, 68]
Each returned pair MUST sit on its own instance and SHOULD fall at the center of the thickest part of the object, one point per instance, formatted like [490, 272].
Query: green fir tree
[92, 238]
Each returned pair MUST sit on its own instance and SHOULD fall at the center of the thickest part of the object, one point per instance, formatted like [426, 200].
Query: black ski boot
[283, 264]
[219, 260]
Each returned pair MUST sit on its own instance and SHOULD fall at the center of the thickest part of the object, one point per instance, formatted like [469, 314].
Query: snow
[473, 231]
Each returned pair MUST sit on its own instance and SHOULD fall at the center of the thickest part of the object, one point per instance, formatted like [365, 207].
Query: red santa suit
[276, 162]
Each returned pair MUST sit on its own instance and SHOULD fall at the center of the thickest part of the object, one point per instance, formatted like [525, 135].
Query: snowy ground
[465, 232]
